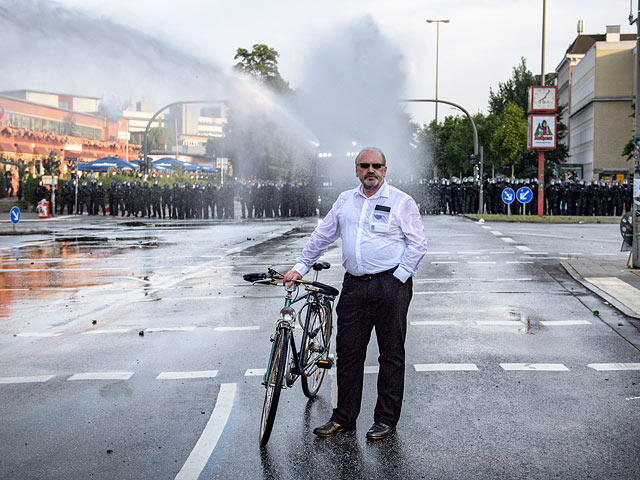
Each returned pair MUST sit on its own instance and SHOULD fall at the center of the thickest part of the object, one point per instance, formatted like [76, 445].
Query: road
[130, 351]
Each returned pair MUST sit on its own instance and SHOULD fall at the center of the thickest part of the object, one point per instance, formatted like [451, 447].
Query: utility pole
[635, 250]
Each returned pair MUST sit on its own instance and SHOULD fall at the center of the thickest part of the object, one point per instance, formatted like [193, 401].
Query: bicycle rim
[274, 386]
[312, 379]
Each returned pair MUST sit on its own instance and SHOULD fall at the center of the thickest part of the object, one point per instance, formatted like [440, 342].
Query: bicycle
[286, 363]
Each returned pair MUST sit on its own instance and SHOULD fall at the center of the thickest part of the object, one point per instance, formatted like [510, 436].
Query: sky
[478, 49]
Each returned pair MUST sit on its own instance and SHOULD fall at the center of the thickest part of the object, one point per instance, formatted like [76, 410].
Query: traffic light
[47, 164]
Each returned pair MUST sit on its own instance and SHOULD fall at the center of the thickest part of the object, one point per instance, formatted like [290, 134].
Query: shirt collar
[382, 192]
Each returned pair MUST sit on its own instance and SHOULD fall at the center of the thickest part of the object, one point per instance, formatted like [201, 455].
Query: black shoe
[379, 430]
[330, 429]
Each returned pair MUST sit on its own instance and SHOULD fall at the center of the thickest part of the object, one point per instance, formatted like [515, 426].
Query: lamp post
[437, 22]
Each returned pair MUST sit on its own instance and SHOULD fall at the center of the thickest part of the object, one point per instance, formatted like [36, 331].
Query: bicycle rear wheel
[274, 380]
[320, 324]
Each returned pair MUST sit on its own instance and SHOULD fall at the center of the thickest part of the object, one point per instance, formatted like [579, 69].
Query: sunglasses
[376, 166]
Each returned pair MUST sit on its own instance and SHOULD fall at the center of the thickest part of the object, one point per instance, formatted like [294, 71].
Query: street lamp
[437, 22]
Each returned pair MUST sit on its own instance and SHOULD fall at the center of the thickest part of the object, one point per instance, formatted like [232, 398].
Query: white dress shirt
[373, 239]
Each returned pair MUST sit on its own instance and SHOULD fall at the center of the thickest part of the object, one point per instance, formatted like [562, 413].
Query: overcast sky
[478, 48]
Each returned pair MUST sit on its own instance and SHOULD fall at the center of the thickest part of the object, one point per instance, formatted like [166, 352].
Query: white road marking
[334, 390]
[445, 367]
[537, 253]
[107, 330]
[170, 329]
[548, 367]
[236, 329]
[27, 379]
[524, 248]
[367, 369]
[502, 253]
[14, 289]
[432, 263]
[499, 322]
[518, 261]
[472, 252]
[632, 398]
[255, 372]
[185, 375]
[609, 367]
[564, 322]
[437, 253]
[483, 263]
[200, 454]
[497, 233]
[487, 227]
[37, 334]
[434, 322]
[101, 376]
[507, 239]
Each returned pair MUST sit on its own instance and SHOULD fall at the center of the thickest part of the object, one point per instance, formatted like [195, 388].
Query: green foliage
[29, 189]
[262, 63]
[514, 90]
[510, 138]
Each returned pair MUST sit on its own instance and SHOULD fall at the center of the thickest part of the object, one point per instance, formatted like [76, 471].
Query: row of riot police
[455, 196]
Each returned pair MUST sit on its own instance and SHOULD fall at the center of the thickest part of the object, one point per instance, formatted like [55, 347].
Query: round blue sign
[524, 195]
[15, 215]
[508, 195]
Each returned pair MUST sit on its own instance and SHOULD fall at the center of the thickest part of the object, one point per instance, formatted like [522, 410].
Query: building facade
[596, 84]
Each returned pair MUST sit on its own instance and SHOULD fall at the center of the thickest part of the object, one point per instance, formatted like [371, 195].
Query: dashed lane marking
[367, 370]
[497, 233]
[524, 248]
[548, 367]
[499, 322]
[486, 227]
[439, 263]
[609, 367]
[507, 239]
[187, 375]
[471, 252]
[101, 376]
[255, 372]
[481, 263]
[107, 330]
[27, 379]
[207, 442]
[437, 253]
[38, 334]
[502, 253]
[236, 329]
[550, 323]
[445, 367]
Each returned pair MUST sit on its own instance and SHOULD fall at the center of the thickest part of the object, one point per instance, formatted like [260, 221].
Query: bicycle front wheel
[274, 380]
[320, 329]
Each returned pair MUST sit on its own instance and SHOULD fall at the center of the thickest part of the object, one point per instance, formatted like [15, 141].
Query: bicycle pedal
[327, 364]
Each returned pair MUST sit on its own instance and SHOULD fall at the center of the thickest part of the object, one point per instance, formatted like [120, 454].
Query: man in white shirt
[382, 244]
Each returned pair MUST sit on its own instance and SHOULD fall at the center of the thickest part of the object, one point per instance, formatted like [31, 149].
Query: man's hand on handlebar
[290, 277]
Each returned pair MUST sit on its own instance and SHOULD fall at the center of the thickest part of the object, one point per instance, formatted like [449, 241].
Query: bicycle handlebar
[270, 279]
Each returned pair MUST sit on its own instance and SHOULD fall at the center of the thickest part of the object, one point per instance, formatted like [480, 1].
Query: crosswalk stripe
[27, 379]
[564, 322]
[608, 367]
[106, 330]
[187, 375]
[549, 367]
[445, 367]
[101, 376]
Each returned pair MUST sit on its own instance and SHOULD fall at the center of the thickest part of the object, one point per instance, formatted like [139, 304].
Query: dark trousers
[382, 303]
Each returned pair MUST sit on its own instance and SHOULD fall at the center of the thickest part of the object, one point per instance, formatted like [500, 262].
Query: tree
[262, 63]
[510, 139]
[514, 90]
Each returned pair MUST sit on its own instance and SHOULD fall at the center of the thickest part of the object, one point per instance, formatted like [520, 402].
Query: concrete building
[139, 119]
[596, 80]
[191, 126]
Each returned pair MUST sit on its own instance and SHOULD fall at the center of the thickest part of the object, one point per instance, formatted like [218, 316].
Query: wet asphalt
[137, 300]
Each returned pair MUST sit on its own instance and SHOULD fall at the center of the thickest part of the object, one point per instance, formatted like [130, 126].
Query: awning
[24, 149]
[39, 150]
[7, 147]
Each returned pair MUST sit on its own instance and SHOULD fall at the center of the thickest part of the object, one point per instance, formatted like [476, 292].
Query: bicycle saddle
[321, 266]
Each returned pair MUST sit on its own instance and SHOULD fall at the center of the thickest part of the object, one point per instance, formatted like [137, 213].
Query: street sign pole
[636, 173]
[540, 183]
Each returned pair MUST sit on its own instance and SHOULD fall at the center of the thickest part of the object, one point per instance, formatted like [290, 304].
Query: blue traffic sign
[15, 215]
[508, 195]
[524, 195]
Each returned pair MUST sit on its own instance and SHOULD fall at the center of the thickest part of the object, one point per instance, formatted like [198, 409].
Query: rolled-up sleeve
[324, 235]
[416, 243]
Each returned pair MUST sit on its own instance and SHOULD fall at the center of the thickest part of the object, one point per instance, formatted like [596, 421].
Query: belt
[369, 276]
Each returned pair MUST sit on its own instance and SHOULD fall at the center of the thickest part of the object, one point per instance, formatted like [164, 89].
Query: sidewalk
[611, 280]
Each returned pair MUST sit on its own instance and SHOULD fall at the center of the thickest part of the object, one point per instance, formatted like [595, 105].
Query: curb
[621, 307]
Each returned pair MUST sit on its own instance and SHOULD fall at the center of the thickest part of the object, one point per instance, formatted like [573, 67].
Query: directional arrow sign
[508, 195]
[15, 215]
[524, 195]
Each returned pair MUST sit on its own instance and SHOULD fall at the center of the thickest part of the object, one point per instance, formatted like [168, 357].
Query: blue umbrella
[104, 164]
